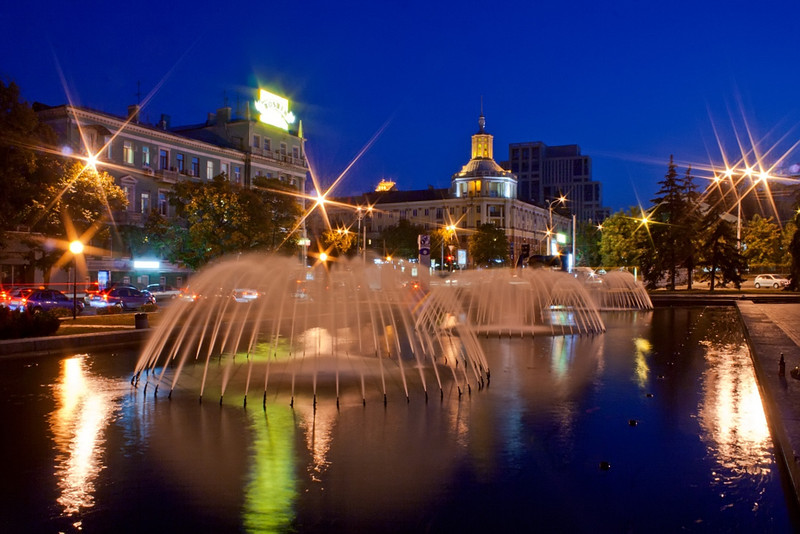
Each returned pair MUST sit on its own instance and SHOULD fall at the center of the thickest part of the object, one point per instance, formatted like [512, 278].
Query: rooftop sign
[274, 110]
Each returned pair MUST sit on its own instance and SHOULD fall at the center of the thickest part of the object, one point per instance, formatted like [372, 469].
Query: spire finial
[482, 119]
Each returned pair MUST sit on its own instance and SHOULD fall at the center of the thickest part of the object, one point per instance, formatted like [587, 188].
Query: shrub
[109, 310]
[17, 324]
[149, 307]
[61, 312]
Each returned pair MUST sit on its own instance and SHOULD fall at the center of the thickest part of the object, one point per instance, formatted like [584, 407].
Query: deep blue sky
[630, 82]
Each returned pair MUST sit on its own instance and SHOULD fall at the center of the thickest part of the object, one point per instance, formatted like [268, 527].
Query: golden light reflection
[732, 419]
[318, 423]
[643, 348]
[85, 407]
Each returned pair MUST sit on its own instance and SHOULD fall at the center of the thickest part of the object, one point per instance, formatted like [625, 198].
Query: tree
[25, 173]
[794, 250]
[223, 218]
[689, 222]
[761, 242]
[341, 240]
[621, 239]
[787, 234]
[668, 234]
[400, 241]
[720, 249]
[76, 205]
[488, 246]
[587, 245]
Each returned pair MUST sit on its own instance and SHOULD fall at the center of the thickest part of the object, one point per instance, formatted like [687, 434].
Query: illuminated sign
[274, 110]
[146, 264]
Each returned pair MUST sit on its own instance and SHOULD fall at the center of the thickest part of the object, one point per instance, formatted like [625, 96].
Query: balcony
[168, 176]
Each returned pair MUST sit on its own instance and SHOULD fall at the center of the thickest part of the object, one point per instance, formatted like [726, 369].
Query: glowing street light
[562, 200]
[76, 247]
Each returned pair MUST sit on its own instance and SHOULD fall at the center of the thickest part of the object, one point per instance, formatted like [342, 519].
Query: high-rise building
[544, 173]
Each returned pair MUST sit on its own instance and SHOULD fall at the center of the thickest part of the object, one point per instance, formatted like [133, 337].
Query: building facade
[546, 172]
[481, 192]
[147, 160]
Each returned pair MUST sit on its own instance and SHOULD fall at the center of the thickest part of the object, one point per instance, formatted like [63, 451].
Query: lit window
[209, 170]
[162, 203]
[145, 203]
[237, 174]
[224, 169]
[127, 152]
[146, 156]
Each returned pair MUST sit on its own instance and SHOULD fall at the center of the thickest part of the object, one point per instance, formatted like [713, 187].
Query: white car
[771, 280]
[162, 292]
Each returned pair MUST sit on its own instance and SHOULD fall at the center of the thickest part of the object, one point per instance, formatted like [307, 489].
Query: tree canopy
[488, 246]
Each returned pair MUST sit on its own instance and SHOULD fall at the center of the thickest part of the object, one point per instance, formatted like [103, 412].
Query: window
[209, 170]
[163, 159]
[296, 152]
[196, 167]
[237, 174]
[427, 212]
[146, 156]
[224, 170]
[256, 141]
[283, 149]
[127, 152]
[162, 203]
[267, 144]
[179, 161]
[145, 203]
[414, 213]
[129, 192]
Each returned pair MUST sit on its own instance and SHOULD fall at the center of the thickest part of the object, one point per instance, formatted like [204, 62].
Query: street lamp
[562, 199]
[76, 247]
[450, 228]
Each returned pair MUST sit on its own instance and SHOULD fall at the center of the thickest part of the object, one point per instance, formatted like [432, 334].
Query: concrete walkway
[771, 330]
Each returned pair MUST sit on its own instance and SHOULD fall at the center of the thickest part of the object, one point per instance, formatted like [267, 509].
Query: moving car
[124, 297]
[38, 300]
[771, 280]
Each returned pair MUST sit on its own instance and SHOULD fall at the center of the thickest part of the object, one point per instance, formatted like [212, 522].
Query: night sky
[629, 82]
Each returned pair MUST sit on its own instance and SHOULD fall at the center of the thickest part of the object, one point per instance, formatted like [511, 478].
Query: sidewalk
[771, 330]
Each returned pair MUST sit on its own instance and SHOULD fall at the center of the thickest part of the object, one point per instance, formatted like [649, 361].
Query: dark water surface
[667, 398]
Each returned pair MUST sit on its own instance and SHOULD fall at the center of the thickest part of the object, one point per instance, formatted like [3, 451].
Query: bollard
[782, 366]
[140, 321]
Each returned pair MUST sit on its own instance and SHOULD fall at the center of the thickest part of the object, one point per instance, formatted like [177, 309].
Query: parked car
[162, 292]
[38, 300]
[126, 298]
[771, 280]
[5, 295]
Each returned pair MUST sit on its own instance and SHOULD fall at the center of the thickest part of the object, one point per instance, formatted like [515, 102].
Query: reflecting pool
[655, 425]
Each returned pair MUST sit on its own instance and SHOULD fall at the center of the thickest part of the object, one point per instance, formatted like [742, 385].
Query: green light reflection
[271, 492]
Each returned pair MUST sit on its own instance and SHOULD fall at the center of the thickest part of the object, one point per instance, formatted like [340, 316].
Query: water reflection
[271, 489]
[732, 419]
[85, 406]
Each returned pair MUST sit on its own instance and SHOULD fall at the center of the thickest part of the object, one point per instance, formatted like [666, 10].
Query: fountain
[618, 290]
[261, 320]
[258, 323]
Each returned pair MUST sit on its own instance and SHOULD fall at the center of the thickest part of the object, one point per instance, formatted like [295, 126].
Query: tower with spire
[482, 176]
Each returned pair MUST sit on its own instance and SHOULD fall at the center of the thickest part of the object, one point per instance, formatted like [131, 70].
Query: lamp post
[450, 228]
[562, 199]
[76, 247]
